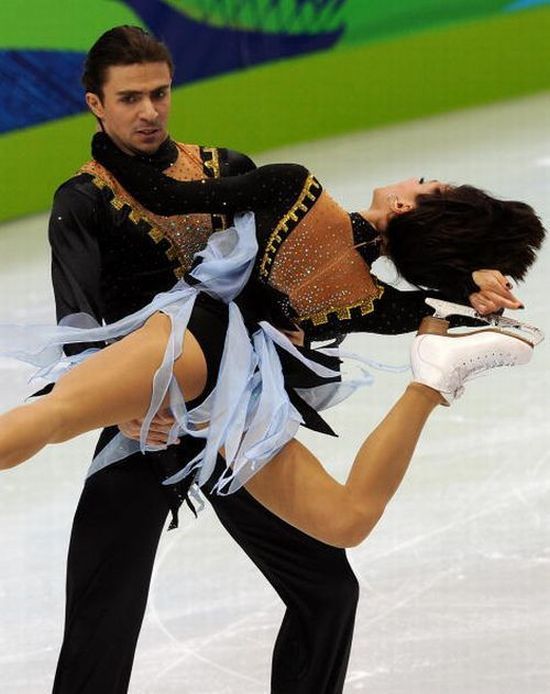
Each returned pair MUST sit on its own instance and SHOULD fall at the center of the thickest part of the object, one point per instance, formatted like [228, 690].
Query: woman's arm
[398, 311]
[267, 186]
[393, 313]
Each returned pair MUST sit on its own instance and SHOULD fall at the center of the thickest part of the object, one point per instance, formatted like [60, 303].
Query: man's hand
[297, 337]
[158, 431]
[494, 292]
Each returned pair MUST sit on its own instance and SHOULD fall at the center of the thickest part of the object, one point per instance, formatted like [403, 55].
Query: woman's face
[399, 198]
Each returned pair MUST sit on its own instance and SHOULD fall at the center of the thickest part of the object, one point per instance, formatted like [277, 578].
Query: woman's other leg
[296, 487]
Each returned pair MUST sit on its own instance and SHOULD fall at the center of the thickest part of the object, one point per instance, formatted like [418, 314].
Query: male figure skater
[109, 257]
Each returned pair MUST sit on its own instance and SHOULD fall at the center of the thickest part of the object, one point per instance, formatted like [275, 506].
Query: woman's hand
[494, 292]
[158, 431]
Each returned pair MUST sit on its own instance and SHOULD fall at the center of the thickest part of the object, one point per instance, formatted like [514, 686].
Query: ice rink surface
[455, 580]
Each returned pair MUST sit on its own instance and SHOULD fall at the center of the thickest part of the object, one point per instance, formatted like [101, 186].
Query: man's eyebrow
[132, 92]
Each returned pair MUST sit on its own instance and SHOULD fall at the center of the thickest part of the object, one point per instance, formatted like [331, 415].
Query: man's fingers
[159, 430]
[163, 420]
[295, 336]
[164, 416]
[129, 429]
[160, 422]
[157, 440]
[152, 438]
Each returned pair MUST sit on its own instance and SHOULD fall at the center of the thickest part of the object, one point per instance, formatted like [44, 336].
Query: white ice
[455, 581]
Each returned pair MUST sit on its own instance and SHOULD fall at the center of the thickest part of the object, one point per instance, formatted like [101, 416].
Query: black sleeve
[395, 312]
[234, 163]
[268, 186]
[76, 262]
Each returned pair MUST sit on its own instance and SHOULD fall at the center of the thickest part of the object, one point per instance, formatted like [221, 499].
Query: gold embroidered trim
[214, 163]
[344, 313]
[155, 232]
[98, 182]
[134, 216]
[219, 221]
[282, 229]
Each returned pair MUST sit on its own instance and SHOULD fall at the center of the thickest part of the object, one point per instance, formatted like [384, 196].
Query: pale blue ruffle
[248, 413]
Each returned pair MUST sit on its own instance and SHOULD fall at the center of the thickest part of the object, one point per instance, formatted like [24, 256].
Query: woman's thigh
[115, 385]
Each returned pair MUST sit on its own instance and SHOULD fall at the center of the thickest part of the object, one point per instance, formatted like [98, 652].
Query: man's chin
[149, 142]
[146, 144]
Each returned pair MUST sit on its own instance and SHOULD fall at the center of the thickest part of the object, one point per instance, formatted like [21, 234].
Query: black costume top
[313, 265]
[110, 256]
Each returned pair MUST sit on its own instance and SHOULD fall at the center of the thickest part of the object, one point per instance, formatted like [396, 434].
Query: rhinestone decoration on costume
[317, 265]
[186, 234]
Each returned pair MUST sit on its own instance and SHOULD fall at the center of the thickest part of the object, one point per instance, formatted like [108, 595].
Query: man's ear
[94, 104]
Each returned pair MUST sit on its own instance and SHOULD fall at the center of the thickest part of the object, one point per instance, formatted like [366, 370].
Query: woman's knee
[354, 524]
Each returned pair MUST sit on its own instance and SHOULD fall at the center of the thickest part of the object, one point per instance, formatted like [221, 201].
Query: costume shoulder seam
[78, 181]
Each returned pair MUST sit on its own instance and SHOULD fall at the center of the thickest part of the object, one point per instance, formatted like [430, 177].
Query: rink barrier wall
[309, 98]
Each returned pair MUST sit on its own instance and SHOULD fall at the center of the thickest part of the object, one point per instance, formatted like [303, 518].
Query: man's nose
[148, 111]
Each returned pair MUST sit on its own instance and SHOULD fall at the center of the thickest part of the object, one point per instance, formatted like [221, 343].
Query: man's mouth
[148, 131]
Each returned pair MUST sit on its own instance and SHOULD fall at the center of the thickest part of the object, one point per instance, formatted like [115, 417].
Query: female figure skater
[232, 378]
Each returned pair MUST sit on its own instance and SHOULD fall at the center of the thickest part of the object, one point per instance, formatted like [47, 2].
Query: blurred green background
[332, 67]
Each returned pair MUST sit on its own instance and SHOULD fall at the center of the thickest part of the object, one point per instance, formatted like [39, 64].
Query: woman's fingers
[489, 302]
[494, 292]
[501, 290]
[491, 280]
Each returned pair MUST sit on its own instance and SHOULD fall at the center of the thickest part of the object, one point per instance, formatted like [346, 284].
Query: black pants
[117, 526]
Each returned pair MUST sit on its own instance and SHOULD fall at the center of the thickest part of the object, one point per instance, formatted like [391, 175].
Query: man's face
[135, 106]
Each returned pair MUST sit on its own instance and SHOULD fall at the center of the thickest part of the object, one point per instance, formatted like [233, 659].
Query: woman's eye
[421, 180]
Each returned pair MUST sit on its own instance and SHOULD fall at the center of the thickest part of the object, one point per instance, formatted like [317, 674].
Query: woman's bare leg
[296, 487]
[110, 387]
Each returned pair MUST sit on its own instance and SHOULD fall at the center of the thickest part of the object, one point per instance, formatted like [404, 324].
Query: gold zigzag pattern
[282, 229]
[344, 313]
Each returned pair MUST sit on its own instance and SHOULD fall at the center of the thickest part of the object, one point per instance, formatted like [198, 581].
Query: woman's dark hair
[123, 45]
[449, 235]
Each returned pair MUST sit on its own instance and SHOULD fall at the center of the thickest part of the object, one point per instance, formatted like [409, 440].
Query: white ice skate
[445, 361]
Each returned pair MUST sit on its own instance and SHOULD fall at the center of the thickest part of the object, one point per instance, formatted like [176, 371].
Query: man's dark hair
[123, 45]
[449, 235]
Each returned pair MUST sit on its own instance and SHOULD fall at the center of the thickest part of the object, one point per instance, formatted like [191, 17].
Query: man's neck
[160, 159]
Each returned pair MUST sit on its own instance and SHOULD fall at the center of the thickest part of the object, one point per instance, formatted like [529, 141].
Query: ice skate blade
[502, 324]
